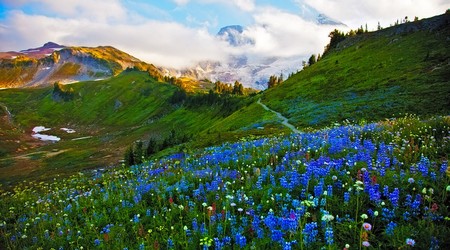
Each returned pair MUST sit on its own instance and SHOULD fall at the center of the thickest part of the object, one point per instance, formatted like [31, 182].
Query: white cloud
[181, 2]
[356, 12]
[99, 10]
[161, 43]
[246, 5]
[279, 33]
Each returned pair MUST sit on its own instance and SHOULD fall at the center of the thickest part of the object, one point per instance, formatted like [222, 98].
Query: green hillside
[371, 76]
[109, 116]
[402, 69]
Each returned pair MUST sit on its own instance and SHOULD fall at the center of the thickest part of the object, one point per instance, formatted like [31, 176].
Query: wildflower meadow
[382, 185]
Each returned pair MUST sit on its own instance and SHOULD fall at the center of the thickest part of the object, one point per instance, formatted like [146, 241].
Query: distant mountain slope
[376, 75]
[252, 71]
[52, 62]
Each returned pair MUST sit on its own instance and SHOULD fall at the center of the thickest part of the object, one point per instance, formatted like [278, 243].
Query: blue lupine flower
[330, 190]
[136, 218]
[390, 228]
[203, 229]
[217, 244]
[406, 216]
[277, 236]
[329, 238]
[423, 165]
[241, 240]
[394, 197]
[387, 214]
[310, 232]
[194, 225]
[346, 197]
[170, 243]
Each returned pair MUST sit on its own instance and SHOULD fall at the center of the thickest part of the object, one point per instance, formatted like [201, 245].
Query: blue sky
[180, 33]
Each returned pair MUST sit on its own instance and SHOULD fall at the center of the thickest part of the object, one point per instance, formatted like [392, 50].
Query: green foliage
[312, 60]
[61, 93]
[274, 81]
[152, 147]
[371, 76]
[129, 157]
[336, 37]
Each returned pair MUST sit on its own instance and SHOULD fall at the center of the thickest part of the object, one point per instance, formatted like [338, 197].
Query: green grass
[114, 113]
[377, 75]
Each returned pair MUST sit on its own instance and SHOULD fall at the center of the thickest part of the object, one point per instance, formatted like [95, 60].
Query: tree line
[137, 153]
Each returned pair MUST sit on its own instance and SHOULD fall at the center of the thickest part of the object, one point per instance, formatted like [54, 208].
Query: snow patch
[68, 130]
[39, 129]
[43, 137]
[36, 134]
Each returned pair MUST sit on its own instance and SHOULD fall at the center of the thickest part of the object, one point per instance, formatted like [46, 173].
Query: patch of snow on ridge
[36, 134]
[68, 130]
[39, 129]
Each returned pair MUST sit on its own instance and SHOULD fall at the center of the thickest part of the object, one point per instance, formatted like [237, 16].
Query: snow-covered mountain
[311, 14]
[252, 71]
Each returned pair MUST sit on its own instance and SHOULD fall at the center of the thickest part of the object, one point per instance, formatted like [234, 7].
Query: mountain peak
[233, 34]
[325, 20]
[50, 45]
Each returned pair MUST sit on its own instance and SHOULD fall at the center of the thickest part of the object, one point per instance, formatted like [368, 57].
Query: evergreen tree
[336, 37]
[129, 156]
[152, 147]
[238, 89]
[312, 60]
[138, 152]
[273, 81]
[281, 78]
[60, 93]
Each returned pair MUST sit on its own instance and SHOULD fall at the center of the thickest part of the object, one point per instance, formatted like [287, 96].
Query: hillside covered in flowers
[383, 185]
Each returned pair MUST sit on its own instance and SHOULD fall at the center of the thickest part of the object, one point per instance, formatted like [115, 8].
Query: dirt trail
[285, 121]
[8, 114]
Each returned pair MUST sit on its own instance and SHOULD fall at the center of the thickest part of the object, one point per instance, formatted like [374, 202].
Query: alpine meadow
[101, 150]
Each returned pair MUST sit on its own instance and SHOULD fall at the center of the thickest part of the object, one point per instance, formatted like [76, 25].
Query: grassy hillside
[109, 116]
[372, 76]
[339, 186]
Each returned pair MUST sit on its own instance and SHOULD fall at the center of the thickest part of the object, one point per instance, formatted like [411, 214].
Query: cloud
[181, 2]
[356, 12]
[282, 34]
[100, 10]
[162, 43]
[245, 5]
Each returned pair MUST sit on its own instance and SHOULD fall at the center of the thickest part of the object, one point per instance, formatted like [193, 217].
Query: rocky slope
[52, 62]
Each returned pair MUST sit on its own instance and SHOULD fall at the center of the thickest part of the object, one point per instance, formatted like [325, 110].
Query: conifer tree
[152, 147]
[129, 156]
[138, 152]
[312, 59]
